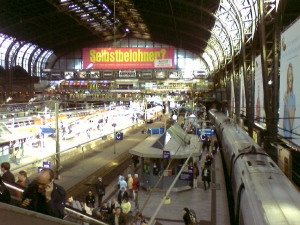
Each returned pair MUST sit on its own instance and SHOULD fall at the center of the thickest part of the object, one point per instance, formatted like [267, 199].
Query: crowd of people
[44, 196]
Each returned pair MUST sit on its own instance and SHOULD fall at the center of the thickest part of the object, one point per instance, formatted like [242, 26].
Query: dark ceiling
[60, 26]
[57, 26]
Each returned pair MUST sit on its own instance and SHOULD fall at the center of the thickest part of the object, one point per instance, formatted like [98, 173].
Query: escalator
[49, 106]
[15, 215]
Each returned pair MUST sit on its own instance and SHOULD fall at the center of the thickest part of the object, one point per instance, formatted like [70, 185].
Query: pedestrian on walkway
[100, 190]
[122, 194]
[186, 217]
[135, 187]
[206, 177]
[126, 206]
[130, 186]
[90, 200]
[123, 183]
[195, 174]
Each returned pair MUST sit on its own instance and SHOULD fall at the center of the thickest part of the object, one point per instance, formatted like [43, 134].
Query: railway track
[108, 172]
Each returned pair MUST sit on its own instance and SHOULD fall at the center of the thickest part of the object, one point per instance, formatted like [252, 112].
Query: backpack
[193, 217]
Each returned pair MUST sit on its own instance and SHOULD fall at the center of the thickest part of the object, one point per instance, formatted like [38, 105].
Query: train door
[239, 217]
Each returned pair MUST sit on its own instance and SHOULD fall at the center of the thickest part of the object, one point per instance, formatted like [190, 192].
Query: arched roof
[210, 28]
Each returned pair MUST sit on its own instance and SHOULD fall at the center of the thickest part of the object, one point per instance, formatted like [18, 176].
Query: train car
[153, 113]
[262, 193]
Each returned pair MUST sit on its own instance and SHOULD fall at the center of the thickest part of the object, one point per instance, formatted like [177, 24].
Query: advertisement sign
[242, 93]
[232, 97]
[259, 110]
[289, 110]
[186, 174]
[127, 58]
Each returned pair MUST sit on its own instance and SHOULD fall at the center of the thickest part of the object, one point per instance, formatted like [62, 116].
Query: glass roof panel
[226, 14]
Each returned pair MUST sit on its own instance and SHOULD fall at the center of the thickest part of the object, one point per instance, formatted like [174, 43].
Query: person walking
[100, 190]
[186, 217]
[195, 174]
[135, 187]
[123, 183]
[206, 177]
[122, 194]
[90, 200]
[130, 186]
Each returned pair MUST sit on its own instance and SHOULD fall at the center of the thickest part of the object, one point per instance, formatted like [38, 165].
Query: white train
[262, 193]
[153, 114]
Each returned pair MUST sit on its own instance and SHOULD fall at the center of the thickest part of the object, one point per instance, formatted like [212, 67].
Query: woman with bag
[186, 217]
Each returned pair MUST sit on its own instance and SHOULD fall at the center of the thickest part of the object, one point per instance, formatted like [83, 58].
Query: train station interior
[80, 78]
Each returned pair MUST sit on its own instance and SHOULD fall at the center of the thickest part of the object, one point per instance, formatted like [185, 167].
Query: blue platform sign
[119, 136]
[203, 137]
[208, 132]
[47, 165]
[155, 130]
[166, 154]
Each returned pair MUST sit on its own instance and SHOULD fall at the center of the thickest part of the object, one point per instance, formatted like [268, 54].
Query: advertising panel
[259, 110]
[242, 94]
[127, 58]
[289, 111]
[232, 98]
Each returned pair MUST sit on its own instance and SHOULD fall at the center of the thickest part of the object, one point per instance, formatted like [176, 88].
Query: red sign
[127, 58]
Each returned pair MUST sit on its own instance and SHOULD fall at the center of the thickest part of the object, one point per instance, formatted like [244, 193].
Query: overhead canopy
[175, 140]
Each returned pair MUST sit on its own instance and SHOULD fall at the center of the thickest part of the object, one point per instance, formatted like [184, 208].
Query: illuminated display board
[127, 58]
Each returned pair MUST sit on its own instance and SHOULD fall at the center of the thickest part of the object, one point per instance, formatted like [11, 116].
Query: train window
[249, 163]
[31, 121]
[21, 123]
[272, 164]
[9, 125]
[261, 163]
[27, 123]
[16, 125]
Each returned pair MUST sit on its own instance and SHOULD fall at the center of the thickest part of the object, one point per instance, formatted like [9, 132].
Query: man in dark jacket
[100, 190]
[4, 193]
[44, 196]
[122, 194]
[7, 175]
[117, 218]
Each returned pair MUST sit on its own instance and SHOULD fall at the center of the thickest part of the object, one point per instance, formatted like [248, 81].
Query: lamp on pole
[114, 23]
[114, 125]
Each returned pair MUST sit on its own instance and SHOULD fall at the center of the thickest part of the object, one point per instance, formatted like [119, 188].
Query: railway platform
[210, 205]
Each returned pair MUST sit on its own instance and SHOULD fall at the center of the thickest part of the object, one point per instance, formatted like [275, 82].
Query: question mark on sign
[163, 52]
